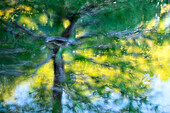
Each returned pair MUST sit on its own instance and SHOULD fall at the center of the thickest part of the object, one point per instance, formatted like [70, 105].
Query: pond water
[112, 76]
[34, 94]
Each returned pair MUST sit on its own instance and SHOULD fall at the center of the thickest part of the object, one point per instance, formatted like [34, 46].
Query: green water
[122, 66]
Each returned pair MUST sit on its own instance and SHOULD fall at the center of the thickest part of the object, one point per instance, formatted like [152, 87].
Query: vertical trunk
[59, 77]
[59, 68]
[59, 74]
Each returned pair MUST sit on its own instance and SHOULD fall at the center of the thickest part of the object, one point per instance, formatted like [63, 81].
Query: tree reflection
[106, 71]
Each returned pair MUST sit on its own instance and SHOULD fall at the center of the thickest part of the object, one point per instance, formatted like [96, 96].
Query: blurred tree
[33, 29]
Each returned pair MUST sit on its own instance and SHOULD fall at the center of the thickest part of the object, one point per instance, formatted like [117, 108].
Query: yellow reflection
[68, 57]
[161, 26]
[165, 8]
[1, 13]
[66, 23]
[152, 23]
[161, 60]
[24, 7]
[129, 69]
[79, 31]
[7, 13]
[45, 75]
[28, 22]
[8, 89]
[43, 19]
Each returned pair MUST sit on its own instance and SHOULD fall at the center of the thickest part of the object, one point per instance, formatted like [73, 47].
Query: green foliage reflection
[111, 54]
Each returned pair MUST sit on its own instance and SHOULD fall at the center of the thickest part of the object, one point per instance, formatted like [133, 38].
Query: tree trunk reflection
[59, 77]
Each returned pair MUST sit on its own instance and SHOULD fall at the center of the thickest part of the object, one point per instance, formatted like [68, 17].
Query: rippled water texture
[124, 70]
